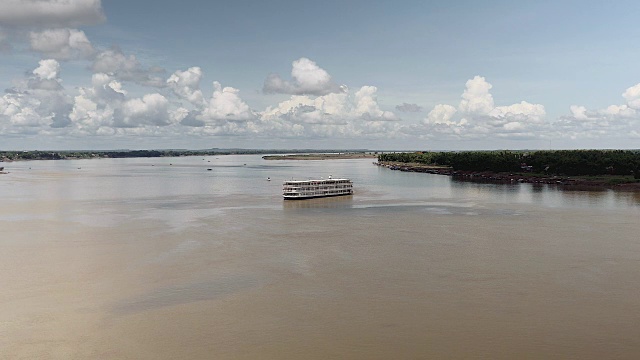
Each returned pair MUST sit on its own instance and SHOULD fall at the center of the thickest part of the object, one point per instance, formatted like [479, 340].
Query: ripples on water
[187, 179]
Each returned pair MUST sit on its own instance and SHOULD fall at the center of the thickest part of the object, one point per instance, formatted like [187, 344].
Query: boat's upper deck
[317, 182]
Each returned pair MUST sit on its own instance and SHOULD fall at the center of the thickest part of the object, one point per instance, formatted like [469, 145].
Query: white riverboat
[308, 189]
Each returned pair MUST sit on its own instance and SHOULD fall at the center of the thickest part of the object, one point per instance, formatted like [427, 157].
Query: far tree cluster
[560, 162]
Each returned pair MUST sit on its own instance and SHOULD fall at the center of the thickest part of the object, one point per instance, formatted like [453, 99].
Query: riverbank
[320, 156]
[574, 182]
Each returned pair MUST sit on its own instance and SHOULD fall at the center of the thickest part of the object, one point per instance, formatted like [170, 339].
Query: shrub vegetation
[560, 162]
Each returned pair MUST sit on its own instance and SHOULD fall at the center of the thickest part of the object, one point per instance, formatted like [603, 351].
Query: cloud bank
[123, 96]
[476, 117]
[50, 13]
[41, 104]
[603, 123]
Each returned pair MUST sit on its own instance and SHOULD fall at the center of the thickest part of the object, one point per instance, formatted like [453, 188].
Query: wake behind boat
[308, 189]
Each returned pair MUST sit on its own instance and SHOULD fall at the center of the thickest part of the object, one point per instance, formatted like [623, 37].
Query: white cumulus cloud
[441, 114]
[332, 115]
[39, 101]
[632, 95]
[45, 76]
[334, 108]
[94, 108]
[367, 105]
[476, 98]
[477, 116]
[523, 110]
[105, 107]
[47, 69]
[151, 109]
[226, 105]
[307, 78]
[186, 84]
[613, 120]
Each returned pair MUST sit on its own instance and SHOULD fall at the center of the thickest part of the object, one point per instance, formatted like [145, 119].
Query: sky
[380, 75]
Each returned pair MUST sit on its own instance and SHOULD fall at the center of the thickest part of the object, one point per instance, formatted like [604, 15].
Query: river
[164, 258]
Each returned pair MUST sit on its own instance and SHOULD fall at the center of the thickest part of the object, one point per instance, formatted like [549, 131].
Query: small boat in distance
[308, 189]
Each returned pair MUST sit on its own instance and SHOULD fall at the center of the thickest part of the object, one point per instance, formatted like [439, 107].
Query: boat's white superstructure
[307, 189]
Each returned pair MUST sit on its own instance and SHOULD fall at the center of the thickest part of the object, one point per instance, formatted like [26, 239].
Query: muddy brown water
[139, 259]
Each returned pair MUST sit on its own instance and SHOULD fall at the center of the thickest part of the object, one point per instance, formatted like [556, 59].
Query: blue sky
[331, 74]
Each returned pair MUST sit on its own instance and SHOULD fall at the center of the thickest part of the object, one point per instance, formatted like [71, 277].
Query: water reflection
[584, 197]
[336, 202]
[549, 195]
[631, 197]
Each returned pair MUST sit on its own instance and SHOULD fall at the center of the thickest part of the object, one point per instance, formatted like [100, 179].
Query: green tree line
[560, 162]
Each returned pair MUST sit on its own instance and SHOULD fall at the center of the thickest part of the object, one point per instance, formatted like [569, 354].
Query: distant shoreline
[320, 156]
[304, 154]
[9, 156]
